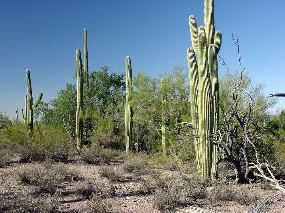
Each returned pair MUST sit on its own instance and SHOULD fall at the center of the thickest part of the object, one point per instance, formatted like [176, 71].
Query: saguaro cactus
[128, 107]
[204, 88]
[28, 114]
[79, 106]
[85, 59]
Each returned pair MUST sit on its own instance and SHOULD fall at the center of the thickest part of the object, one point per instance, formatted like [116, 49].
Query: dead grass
[177, 192]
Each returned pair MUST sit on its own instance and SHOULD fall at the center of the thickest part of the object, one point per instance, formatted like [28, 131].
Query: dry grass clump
[115, 175]
[97, 189]
[98, 155]
[224, 193]
[177, 192]
[32, 205]
[98, 204]
[31, 152]
[48, 178]
[7, 154]
[137, 166]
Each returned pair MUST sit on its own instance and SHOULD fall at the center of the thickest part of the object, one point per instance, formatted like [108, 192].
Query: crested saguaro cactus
[28, 113]
[204, 88]
[79, 106]
[128, 107]
[85, 59]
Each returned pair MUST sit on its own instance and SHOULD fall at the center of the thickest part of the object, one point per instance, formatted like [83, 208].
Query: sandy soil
[127, 196]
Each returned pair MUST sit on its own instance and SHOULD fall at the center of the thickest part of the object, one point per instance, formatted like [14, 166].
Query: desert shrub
[109, 140]
[115, 175]
[98, 204]
[72, 176]
[98, 155]
[15, 133]
[47, 179]
[137, 166]
[31, 152]
[222, 193]
[32, 205]
[45, 142]
[177, 192]
[226, 192]
[55, 141]
[7, 153]
[96, 189]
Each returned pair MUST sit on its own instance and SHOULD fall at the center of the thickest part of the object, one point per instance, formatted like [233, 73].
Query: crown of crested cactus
[128, 107]
[204, 88]
[79, 105]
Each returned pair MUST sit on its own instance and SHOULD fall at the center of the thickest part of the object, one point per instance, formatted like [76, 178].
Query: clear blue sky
[43, 35]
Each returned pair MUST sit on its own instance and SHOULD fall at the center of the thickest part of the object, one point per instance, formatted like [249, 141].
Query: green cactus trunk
[85, 59]
[29, 103]
[128, 107]
[79, 106]
[204, 89]
[28, 113]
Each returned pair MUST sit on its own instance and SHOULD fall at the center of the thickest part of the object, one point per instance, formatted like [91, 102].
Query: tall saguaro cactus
[79, 106]
[85, 59]
[28, 113]
[128, 107]
[204, 88]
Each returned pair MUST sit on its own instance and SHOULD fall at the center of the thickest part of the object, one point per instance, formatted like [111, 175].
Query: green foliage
[46, 142]
[149, 112]
[248, 95]
[103, 110]
[4, 121]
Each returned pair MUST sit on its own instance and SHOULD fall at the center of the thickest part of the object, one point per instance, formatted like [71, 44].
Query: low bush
[31, 152]
[227, 192]
[137, 166]
[26, 204]
[47, 179]
[115, 176]
[98, 155]
[45, 142]
[7, 154]
[177, 192]
[98, 204]
[97, 189]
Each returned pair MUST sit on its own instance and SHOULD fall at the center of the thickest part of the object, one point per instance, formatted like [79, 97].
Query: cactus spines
[204, 88]
[128, 107]
[85, 58]
[79, 106]
[28, 113]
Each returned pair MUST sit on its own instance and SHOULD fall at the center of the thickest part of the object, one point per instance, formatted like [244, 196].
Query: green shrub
[45, 142]
[15, 133]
